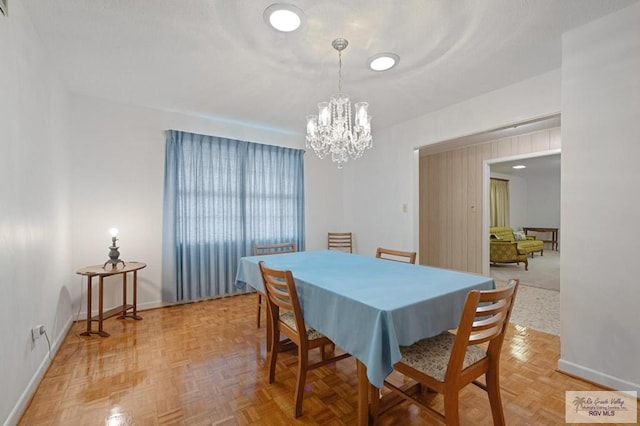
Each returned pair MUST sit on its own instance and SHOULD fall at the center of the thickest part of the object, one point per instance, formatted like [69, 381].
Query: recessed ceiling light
[383, 61]
[283, 17]
[519, 166]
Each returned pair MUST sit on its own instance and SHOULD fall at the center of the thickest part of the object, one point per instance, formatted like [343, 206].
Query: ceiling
[548, 165]
[218, 59]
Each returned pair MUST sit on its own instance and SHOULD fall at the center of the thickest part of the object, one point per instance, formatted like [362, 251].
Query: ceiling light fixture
[519, 166]
[332, 131]
[383, 61]
[283, 17]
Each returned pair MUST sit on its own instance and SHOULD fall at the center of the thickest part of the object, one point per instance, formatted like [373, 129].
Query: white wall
[34, 210]
[377, 185]
[600, 181]
[117, 173]
[543, 200]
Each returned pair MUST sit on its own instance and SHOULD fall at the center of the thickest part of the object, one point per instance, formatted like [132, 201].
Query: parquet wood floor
[205, 364]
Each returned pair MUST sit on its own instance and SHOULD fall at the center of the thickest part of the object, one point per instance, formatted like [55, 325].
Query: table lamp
[114, 254]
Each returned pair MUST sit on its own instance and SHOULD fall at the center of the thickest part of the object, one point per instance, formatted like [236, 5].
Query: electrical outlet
[37, 331]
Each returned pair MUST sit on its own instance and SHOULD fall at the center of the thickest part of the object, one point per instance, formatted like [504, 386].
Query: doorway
[534, 195]
[534, 202]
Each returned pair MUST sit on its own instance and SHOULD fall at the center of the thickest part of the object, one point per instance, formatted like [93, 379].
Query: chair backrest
[263, 249]
[340, 241]
[281, 293]
[396, 255]
[484, 319]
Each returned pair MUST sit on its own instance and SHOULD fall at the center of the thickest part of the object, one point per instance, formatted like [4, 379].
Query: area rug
[537, 308]
[538, 300]
[544, 271]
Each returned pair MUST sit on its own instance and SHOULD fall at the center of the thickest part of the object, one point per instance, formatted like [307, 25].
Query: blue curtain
[222, 196]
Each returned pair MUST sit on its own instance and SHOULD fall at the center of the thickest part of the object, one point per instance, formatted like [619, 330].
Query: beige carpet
[538, 300]
[544, 271]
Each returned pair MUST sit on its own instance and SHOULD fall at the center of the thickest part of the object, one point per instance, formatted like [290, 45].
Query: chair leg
[272, 354]
[324, 353]
[451, 415]
[259, 309]
[493, 389]
[303, 355]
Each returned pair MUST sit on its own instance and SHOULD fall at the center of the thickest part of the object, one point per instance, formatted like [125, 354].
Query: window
[221, 197]
[499, 202]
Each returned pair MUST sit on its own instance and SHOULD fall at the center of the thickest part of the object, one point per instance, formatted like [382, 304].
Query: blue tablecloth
[367, 306]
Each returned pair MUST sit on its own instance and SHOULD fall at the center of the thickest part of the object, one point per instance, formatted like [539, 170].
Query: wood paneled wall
[450, 188]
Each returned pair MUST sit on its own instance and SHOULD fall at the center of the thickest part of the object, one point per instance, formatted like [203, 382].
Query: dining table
[370, 307]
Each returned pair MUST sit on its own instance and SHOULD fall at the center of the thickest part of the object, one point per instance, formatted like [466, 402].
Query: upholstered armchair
[527, 245]
[507, 252]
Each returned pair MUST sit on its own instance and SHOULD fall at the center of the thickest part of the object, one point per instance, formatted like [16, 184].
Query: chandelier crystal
[334, 130]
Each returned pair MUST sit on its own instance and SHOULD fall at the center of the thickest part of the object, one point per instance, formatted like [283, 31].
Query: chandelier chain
[339, 71]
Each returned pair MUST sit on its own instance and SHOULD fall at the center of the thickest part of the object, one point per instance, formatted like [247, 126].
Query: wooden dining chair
[448, 362]
[397, 255]
[340, 241]
[264, 249]
[285, 316]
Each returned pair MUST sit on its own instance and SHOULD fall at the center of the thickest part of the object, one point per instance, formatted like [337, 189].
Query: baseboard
[82, 315]
[25, 398]
[151, 305]
[597, 377]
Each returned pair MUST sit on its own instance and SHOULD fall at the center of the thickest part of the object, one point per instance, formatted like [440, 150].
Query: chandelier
[333, 131]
